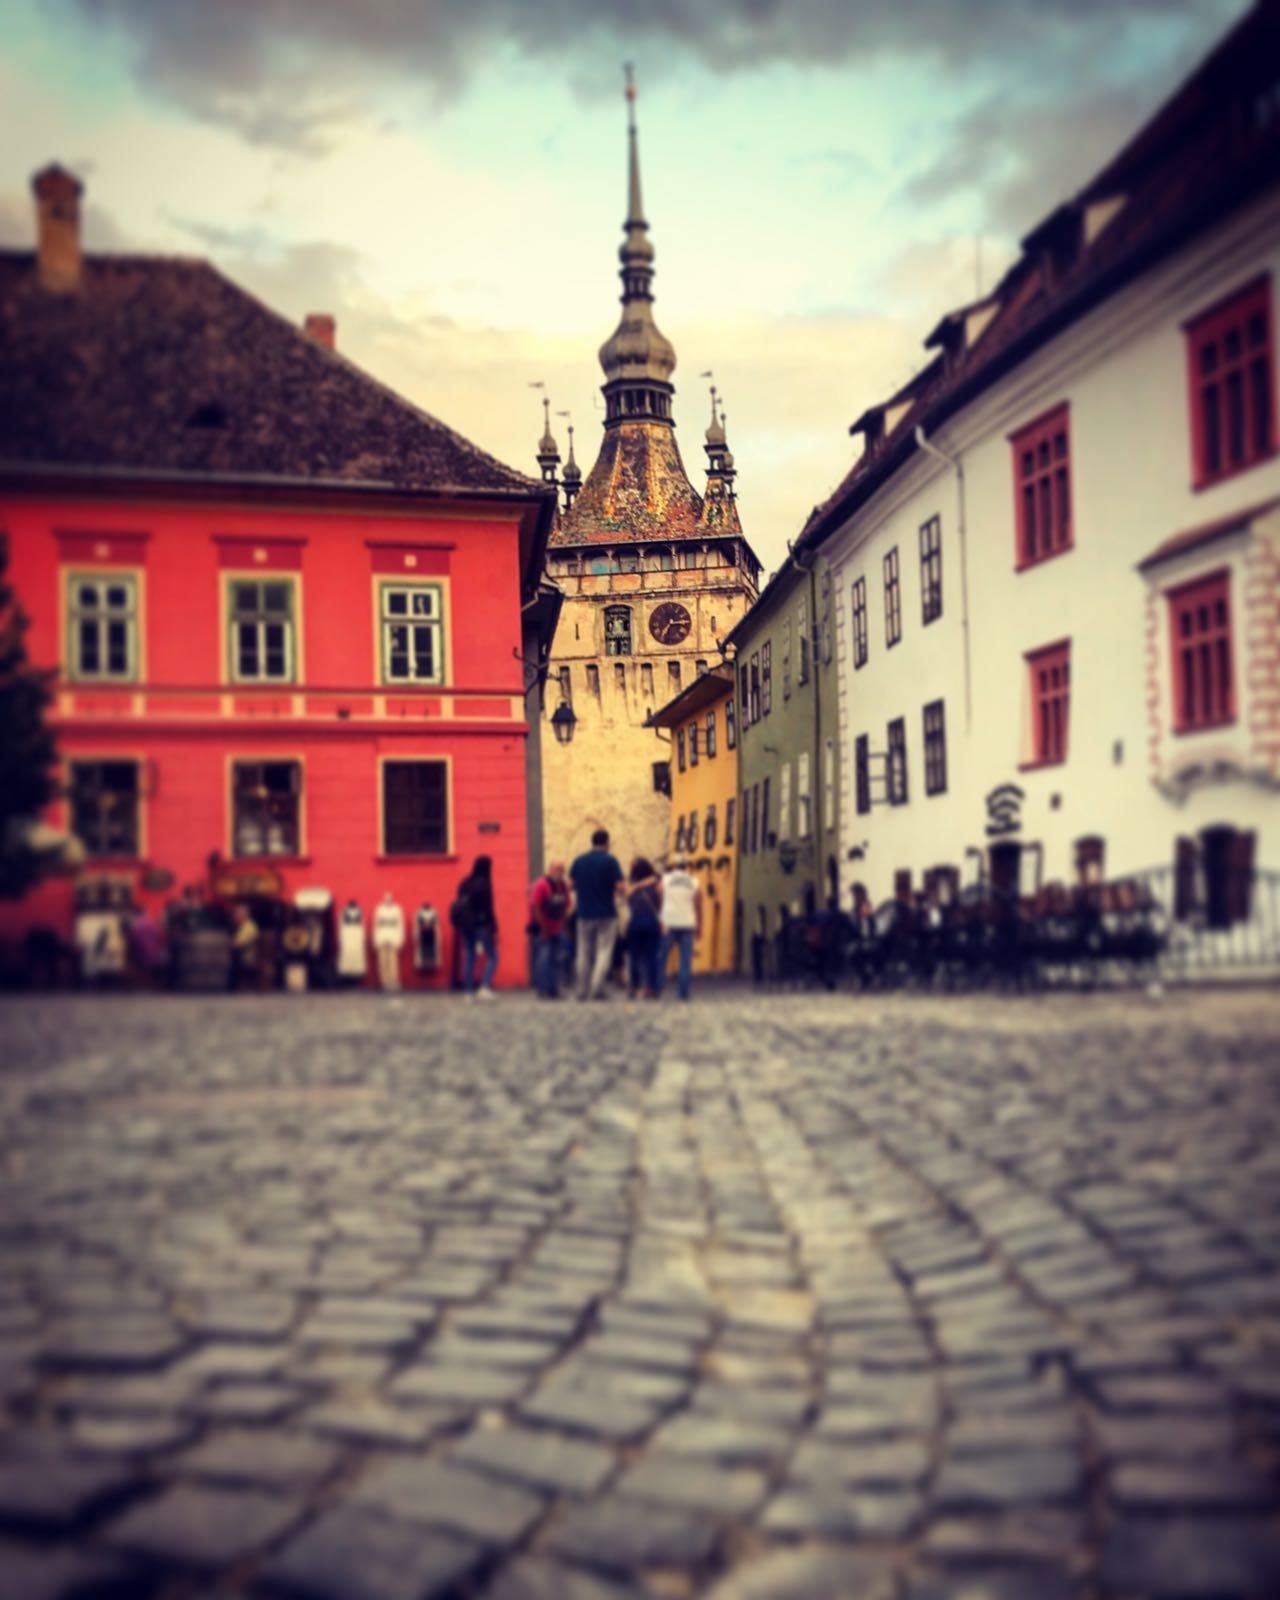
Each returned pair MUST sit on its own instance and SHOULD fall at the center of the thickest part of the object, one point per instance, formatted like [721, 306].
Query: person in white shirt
[681, 923]
[388, 941]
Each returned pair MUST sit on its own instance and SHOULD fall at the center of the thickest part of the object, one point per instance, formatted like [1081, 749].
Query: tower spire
[548, 449]
[638, 360]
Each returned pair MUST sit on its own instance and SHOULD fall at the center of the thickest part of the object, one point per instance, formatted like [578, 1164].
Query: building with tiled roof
[297, 626]
[1057, 560]
[654, 573]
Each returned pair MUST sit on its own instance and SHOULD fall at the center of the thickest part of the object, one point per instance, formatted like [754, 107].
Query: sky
[823, 180]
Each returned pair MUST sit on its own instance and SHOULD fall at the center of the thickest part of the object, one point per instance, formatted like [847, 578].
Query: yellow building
[703, 730]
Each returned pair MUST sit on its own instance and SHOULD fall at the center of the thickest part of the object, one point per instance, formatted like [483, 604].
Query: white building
[1057, 563]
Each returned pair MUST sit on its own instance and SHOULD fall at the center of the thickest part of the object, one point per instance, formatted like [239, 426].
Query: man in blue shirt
[597, 882]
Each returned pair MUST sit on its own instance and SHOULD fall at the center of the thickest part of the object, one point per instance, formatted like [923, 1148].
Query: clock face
[669, 623]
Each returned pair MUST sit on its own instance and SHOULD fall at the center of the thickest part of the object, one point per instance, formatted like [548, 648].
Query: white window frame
[432, 621]
[829, 785]
[102, 615]
[289, 582]
[804, 797]
[784, 801]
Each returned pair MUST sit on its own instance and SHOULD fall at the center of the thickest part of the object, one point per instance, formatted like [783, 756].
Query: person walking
[597, 883]
[681, 923]
[644, 927]
[388, 941]
[548, 912]
[478, 925]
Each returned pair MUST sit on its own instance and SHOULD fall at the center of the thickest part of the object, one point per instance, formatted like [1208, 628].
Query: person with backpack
[548, 914]
[644, 928]
[472, 916]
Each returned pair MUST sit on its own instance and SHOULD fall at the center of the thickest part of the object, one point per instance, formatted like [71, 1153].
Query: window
[1042, 487]
[264, 808]
[786, 659]
[617, 630]
[892, 599]
[415, 809]
[693, 744]
[824, 624]
[104, 807]
[709, 829]
[755, 688]
[804, 797]
[1090, 857]
[680, 750]
[662, 777]
[766, 678]
[103, 627]
[1050, 671]
[412, 638]
[711, 735]
[1201, 654]
[730, 816]
[829, 784]
[862, 774]
[859, 623]
[620, 677]
[897, 762]
[691, 834]
[699, 669]
[1231, 377]
[262, 631]
[931, 570]
[1214, 877]
[744, 678]
[730, 724]
[646, 679]
[784, 802]
[752, 803]
[802, 640]
[566, 684]
[679, 836]
[673, 674]
[593, 679]
[764, 814]
[935, 748]
[629, 561]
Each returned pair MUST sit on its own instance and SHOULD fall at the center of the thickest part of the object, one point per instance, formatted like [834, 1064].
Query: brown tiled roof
[161, 366]
[1195, 538]
[637, 490]
[1213, 146]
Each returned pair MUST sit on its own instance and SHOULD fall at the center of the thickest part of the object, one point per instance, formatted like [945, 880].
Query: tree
[27, 751]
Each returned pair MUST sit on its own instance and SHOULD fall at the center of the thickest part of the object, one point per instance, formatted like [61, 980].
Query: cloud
[291, 73]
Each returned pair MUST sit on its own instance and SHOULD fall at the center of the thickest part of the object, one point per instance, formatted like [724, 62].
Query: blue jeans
[481, 940]
[549, 963]
[682, 938]
[642, 953]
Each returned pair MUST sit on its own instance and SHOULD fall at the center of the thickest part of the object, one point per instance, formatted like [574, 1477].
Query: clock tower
[654, 576]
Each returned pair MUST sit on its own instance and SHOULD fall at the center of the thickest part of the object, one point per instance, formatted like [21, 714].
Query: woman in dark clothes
[478, 927]
[644, 927]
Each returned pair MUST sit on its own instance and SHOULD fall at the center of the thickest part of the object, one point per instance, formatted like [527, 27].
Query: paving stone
[1034, 1584]
[536, 1456]
[730, 1441]
[105, 1346]
[1208, 1558]
[366, 1420]
[625, 1536]
[1016, 1478]
[806, 1575]
[902, 1461]
[247, 1402]
[1052, 1537]
[537, 1578]
[263, 1316]
[51, 1494]
[681, 1481]
[39, 1573]
[354, 1554]
[139, 1435]
[459, 1384]
[445, 1495]
[592, 1412]
[191, 1525]
[1150, 1486]
[271, 1458]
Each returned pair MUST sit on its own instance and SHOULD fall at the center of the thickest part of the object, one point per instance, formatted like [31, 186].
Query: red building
[296, 622]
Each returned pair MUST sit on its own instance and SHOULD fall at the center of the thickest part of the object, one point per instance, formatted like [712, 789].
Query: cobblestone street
[762, 1296]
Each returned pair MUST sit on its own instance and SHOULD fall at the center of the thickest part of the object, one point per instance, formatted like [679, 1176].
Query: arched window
[617, 631]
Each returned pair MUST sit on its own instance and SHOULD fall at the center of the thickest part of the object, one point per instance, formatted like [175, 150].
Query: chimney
[58, 228]
[320, 326]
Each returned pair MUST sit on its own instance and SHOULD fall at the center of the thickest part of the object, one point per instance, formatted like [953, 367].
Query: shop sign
[157, 879]
[1004, 810]
[241, 883]
[490, 827]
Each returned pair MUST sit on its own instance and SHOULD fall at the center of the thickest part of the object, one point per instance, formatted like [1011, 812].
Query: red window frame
[1202, 653]
[1231, 384]
[1049, 670]
[1042, 487]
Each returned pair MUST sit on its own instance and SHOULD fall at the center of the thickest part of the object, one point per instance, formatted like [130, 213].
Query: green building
[788, 771]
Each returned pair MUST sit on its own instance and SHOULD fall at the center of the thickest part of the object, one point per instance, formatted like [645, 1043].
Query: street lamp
[563, 722]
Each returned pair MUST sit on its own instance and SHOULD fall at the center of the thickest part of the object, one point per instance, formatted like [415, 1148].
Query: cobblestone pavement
[769, 1296]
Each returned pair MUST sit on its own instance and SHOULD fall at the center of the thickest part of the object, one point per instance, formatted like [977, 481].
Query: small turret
[572, 474]
[720, 469]
[548, 449]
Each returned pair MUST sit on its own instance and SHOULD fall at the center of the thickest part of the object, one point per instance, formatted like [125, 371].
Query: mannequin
[388, 941]
[351, 951]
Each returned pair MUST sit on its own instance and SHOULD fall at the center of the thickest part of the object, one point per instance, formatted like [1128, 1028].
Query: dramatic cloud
[292, 72]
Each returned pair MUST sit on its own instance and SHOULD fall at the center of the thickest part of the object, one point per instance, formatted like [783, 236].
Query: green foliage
[27, 752]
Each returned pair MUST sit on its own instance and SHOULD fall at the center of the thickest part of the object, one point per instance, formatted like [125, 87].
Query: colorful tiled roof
[637, 490]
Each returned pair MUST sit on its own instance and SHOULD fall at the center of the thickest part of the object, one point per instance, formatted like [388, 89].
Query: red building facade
[296, 624]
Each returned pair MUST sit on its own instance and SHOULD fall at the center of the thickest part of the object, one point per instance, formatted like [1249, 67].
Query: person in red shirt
[549, 912]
